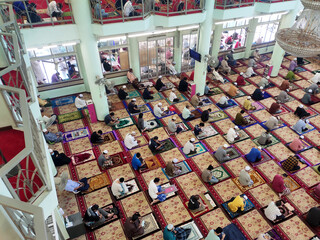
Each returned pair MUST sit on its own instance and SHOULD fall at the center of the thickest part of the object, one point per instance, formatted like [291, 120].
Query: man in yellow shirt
[237, 203]
[248, 105]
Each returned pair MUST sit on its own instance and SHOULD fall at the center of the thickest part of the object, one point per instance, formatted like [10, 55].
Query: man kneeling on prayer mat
[196, 204]
[301, 112]
[133, 226]
[221, 154]
[189, 147]
[155, 145]
[198, 131]
[130, 140]
[77, 186]
[240, 120]
[217, 234]
[207, 175]
[237, 204]
[265, 138]
[223, 102]
[173, 170]
[96, 216]
[291, 164]
[272, 212]
[96, 137]
[248, 105]
[232, 134]
[178, 233]
[104, 160]
[173, 127]
[254, 155]
[138, 163]
[59, 159]
[244, 177]
[159, 111]
[120, 188]
[155, 191]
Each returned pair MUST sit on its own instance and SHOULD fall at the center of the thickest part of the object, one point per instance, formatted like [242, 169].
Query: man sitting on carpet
[223, 102]
[285, 86]
[138, 163]
[240, 80]
[96, 216]
[273, 122]
[265, 138]
[233, 91]
[306, 99]
[110, 120]
[196, 204]
[257, 95]
[199, 132]
[173, 97]
[237, 204]
[104, 160]
[291, 164]
[254, 155]
[313, 217]
[186, 114]
[80, 103]
[249, 73]
[301, 112]
[252, 62]
[195, 100]
[133, 226]
[48, 121]
[183, 85]
[120, 188]
[296, 145]
[244, 177]
[273, 212]
[77, 186]
[96, 137]
[217, 76]
[240, 120]
[132, 106]
[173, 127]
[130, 76]
[155, 191]
[178, 233]
[59, 159]
[207, 90]
[283, 96]
[147, 93]
[248, 105]
[122, 94]
[264, 82]
[207, 175]
[275, 108]
[160, 86]
[301, 126]
[52, 137]
[279, 186]
[221, 154]
[130, 140]
[155, 145]
[172, 169]
[159, 111]
[205, 115]
[314, 87]
[232, 134]
[217, 234]
[290, 76]
[189, 147]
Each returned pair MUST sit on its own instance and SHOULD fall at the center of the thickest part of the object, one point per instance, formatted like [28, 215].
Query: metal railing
[229, 4]
[29, 16]
[127, 10]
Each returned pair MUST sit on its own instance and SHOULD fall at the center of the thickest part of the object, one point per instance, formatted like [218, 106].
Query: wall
[62, 91]
[6, 119]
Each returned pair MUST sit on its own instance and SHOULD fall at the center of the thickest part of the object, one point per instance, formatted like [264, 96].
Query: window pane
[58, 49]
[114, 60]
[42, 52]
[70, 48]
[233, 39]
[31, 54]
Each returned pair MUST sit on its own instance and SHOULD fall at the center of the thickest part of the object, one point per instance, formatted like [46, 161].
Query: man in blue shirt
[254, 155]
[52, 137]
[138, 163]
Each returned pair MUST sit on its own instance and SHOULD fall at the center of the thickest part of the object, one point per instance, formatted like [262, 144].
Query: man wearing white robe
[189, 147]
[232, 134]
[80, 103]
[130, 141]
[119, 187]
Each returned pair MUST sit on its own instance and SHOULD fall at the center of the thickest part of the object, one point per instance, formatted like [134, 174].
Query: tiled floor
[173, 210]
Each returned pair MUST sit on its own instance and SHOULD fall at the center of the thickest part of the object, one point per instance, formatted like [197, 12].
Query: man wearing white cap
[240, 80]
[248, 105]
[160, 86]
[221, 153]
[244, 177]
[265, 138]
[173, 97]
[306, 99]
[301, 126]
[254, 155]
[264, 82]
[301, 112]
[172, 169]
[132, 106]
[172, 233]
[52, 137]
[48, 121]
[257, 94]
[122, 93]
[189, 147]
[157, 110]
[80, 103]
[273, 122]
[104, 160]
[186, 113]
[130, 141]
[232, 134]
[283, 96]
[252, 62]
[171, 67]
[223, 102]
[249, 73]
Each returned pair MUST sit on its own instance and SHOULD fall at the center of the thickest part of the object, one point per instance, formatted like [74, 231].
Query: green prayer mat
[216, 116]
[216, 91]
[67, 117]
[133, 94]
[220, 173]
[181, 97]
[143, 108]
[167, 146]
[66, 14]
[240, 94]
[113, 14]
[123, 122]
[200, 149]
[156, 97]
[273, 139]
[316, 169]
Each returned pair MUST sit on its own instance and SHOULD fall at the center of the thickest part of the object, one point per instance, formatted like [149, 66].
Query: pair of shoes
[76, 192]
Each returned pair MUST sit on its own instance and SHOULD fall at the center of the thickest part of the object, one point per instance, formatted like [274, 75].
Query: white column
[90, 56]
[134, 56]
[177, 50]
[200, 72]
[253, 23]
[216, 40]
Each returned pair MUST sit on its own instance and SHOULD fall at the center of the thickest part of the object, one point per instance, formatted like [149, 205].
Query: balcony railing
[40, 14]
[229, 4]
[111, 11]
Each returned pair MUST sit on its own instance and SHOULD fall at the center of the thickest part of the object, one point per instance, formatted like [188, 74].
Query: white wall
[6, 119]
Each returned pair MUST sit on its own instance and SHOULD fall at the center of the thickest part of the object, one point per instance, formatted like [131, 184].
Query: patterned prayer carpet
[174, 210]
[184, 169]
[247, 207]
[255, 177]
